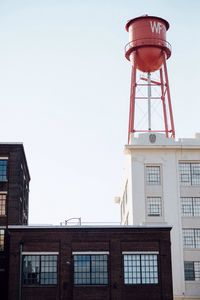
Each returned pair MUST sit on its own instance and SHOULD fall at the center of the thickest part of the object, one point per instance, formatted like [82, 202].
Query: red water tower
[148, 51]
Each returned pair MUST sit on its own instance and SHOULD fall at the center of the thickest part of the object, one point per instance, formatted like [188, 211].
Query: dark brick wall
[17, 190]
[17, 196]
[114, 240]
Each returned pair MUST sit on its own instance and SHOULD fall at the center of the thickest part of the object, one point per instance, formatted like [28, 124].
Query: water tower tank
[147, 47]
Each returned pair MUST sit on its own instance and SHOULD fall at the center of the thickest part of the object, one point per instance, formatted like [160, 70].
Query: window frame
[2, 240]
[3, 204]
[192, 204]
[150, 174]
[189, 173]
[86, 278]
[149, 213]
[141, 268]
[41, 279]
[194, 269]
[3, 169]
[193, 238]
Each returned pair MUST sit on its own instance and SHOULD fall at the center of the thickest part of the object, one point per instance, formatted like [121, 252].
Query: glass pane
[189, 270]
[90, 269]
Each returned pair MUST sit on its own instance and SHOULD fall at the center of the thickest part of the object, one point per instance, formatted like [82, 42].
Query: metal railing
[148, 42]
[78, 222]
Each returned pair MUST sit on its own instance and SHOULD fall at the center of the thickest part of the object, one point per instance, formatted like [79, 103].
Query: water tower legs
[162, 84]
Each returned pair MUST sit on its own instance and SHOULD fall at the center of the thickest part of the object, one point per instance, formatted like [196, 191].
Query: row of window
[90, 269]
[189, 174]
[190, 206]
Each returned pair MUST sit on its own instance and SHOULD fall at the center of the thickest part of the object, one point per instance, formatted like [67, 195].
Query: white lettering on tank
[156, 26]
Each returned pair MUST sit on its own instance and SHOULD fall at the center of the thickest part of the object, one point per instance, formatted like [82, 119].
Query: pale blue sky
[64, 93]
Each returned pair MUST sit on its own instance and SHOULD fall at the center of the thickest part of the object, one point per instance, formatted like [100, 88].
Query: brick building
[14, 191]
[79, 262]
[83, 263]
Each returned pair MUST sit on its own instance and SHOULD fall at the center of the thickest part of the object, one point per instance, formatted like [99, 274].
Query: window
[141, 268]
[154, 206]
[3, 170]
[2, 204]
[39, 269]
[153, 175]
[192, 270]
[191, 238]
[190, 206]
[90, 269]
[189, 173]
[2, 239]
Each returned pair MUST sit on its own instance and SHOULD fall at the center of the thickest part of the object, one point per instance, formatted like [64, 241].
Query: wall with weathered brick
[115, 240]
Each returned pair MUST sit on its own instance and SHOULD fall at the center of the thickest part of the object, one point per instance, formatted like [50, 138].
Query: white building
[162, 185]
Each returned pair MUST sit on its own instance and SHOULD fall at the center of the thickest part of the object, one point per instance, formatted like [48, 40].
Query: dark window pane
[189, 270]
[39, 269]
[90, 269]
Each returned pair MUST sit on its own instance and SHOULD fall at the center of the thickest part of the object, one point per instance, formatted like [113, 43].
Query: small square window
[153, 175]
[154, 207]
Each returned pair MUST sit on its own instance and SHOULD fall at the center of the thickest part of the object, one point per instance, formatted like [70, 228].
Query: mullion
[191, 174]
[40, 269]
[192, 206]
[141, 269]
[90, 269]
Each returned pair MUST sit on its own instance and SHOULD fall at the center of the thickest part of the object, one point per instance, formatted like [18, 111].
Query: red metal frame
[165, 97]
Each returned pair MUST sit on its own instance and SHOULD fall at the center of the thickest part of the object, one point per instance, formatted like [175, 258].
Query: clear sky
[64, 93]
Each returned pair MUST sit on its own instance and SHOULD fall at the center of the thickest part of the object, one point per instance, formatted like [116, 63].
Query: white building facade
[162, 185]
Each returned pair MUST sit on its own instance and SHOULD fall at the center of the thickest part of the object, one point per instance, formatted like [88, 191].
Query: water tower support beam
[149, 100]
[132, 102]
[163, 103]
[169, 98]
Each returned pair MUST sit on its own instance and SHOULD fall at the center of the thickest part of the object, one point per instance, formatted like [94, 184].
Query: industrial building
[74, 262]
[14, 192]
[161, 183]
